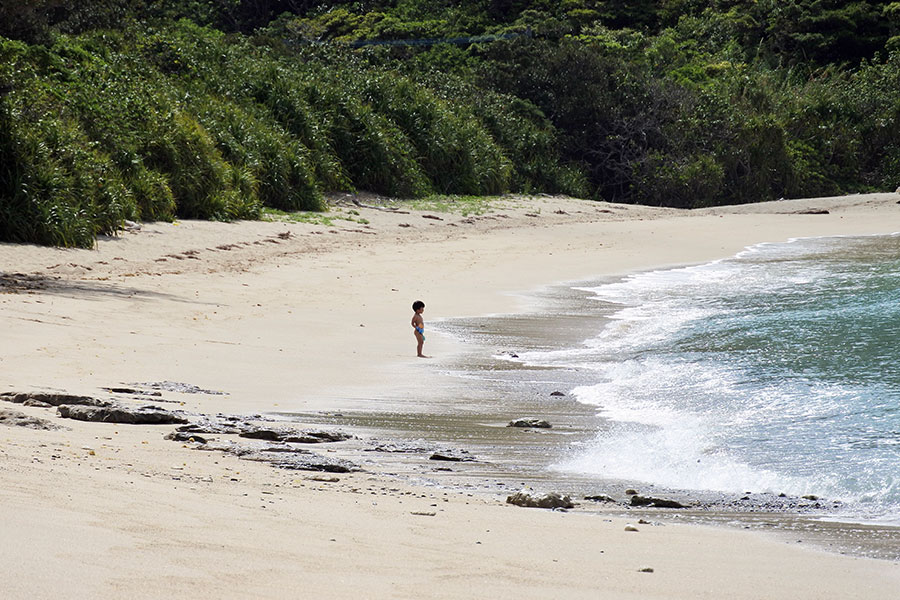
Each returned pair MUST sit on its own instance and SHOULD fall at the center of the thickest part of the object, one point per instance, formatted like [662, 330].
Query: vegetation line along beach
[126, 111]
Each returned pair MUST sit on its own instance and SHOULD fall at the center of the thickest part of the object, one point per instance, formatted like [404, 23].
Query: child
[419, 326]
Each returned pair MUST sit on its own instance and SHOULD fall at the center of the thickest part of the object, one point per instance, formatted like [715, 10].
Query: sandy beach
[268, 318]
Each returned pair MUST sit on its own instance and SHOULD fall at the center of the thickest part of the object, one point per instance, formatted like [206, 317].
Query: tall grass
[183, 121]
[455, 151]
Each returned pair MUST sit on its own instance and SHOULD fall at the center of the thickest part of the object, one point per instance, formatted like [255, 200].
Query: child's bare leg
[419, 346]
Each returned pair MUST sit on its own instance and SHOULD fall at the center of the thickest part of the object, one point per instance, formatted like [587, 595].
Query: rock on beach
[637, 500]
[530, 423]
[14, 418]
[50, 399]
[551, 500]
[140, 415]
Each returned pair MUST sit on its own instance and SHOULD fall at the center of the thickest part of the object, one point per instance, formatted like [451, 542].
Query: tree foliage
[130, 109]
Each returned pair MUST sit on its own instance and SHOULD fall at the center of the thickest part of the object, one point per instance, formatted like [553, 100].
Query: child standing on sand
[419, 326]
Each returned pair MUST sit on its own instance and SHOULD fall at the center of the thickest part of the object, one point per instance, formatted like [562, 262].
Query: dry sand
[299, 317]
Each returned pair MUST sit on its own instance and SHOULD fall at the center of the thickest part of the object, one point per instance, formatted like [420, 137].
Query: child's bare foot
[423, 356]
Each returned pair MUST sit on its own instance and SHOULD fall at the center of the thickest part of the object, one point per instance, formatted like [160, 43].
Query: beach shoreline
[310, 318]
[494, 387]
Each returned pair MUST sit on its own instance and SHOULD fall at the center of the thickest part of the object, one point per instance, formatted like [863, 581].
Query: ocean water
[776, 370]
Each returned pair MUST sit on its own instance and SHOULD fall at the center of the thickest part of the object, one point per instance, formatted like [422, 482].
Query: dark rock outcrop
[452, 456]
[210, 426]
[600, 498]
[50, 399]
[233, 425]
[181, 436]
[311, 436]
[530, 422]
[132, 391]
[139, 415]
[637, 500]
[304, 461]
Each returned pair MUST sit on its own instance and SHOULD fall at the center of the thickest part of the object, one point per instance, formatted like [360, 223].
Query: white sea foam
[683, 455]
[765, 372]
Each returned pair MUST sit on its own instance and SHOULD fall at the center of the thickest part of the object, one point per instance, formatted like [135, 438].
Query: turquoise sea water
[777, 370]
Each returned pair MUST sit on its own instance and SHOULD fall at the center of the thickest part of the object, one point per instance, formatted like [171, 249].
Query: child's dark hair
[418, 304]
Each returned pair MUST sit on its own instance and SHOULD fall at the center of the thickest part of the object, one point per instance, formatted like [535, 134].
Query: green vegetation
[460, 205]
[328, 219]
[245, 109]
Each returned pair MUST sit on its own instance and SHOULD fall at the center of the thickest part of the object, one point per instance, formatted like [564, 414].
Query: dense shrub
[154, 124]
[119, 110]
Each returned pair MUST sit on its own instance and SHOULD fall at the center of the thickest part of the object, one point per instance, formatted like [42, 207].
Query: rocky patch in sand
[281, 451]
[400, 448]
[456, 455]
[530, 422]
[130, 415]
[551, 500]
[277, 446]
[600, 498]
[637, 500]
[48, 399]
[452, 456]
[14, 418]
[132, 391]
[246, 428]
[181, 388]
[283, 456]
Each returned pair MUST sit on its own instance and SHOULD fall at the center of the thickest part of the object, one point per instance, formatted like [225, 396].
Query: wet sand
[491, 389]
